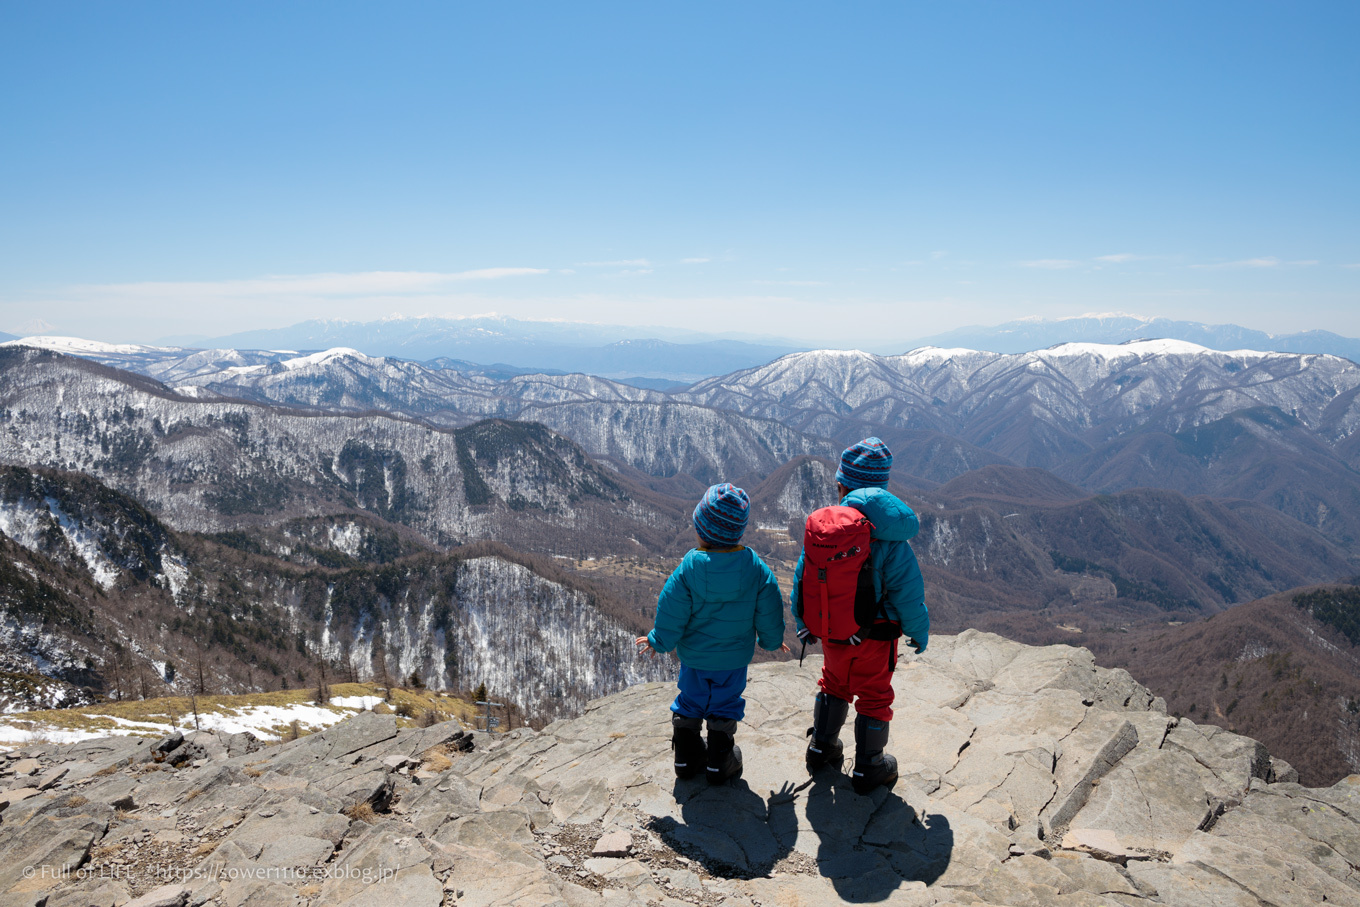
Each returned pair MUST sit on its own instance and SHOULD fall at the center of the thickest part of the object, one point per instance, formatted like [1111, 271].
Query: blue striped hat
[720, 517]
[865, 465]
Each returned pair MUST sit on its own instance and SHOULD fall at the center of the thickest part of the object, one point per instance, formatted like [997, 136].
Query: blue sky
[815, 171]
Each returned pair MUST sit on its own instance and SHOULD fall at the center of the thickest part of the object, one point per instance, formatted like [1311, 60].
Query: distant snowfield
[261, 720]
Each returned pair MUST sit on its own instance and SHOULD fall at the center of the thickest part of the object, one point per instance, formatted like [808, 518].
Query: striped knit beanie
[865, 465]
[720, 517]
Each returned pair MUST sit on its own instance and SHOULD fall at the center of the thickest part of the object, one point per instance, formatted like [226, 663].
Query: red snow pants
[864, 671]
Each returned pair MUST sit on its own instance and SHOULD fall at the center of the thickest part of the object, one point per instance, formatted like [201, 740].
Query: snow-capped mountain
[641, 429]
[209, 465]
[1037, 334]
[1074, 387]
[1277, 428]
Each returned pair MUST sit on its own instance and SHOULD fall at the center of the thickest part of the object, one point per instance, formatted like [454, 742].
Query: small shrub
[361, 812]
[436, 759]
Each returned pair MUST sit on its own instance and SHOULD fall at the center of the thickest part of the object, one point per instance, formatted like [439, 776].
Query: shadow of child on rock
[869, 845]
[729, 829]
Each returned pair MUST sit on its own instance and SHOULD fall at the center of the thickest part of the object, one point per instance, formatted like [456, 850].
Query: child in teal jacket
[718, 604]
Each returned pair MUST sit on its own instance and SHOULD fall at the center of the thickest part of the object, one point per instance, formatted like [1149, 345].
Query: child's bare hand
[785, 648]
[644, 646]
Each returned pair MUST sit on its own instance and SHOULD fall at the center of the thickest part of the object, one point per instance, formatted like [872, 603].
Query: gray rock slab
[98, 894]
[296, 850]
[1151, 802]
[25, 767]
[1014, 773]
[932, 738]
[258, 893]
[973, 655]
[616, 843]
[165, 896]
[410, 887]
[920, 686]
[1099, 741]
[292, 818]
[1303, 823]
[1233, 760]
[1272, 876]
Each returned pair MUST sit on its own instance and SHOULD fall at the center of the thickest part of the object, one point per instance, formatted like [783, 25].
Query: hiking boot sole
[864, 785]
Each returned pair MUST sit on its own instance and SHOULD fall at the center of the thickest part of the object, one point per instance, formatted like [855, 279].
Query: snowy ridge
[76, 346]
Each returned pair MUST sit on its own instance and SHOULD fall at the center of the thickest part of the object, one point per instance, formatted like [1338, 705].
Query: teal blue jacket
[897, 575]
[715, 607]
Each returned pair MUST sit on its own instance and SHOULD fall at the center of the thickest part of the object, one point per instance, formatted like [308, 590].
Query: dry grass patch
[361, 812]
[413, 707]
[436, 759]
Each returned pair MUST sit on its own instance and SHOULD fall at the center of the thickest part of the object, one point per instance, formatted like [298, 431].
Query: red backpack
[836, 599]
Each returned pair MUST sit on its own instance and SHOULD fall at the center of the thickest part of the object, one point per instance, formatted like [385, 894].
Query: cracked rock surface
[1029, 777]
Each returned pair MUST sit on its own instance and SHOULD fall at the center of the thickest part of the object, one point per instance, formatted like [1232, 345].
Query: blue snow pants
[711, 694]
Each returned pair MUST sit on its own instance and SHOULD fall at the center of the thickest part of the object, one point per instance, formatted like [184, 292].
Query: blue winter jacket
[897, 576]
[714, 608]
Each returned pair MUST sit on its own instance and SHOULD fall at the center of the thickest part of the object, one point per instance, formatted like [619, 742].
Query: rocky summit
[1029, 777]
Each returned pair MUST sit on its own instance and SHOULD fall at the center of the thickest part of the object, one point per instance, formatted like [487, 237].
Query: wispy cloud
[938, 255]
[624, 263]
[1120, 257]
[635, 271]
[695, 261]
[1268, 261]
[788, 283]
[354, 284]
[1051, 264]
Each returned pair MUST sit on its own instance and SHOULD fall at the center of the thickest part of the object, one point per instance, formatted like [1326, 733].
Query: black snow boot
[872, 766]
[828, 714]
[724, 756]
[688, 743]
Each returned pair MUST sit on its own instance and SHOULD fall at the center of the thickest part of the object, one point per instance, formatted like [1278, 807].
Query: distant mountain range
[678, 355]
[665, 359]
[1282, 429]
[1037, 334]
[611, 351]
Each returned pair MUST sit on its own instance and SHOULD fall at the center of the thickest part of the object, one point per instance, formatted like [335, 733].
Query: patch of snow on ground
[260, 719]
[23, 524]
[23, 736]
[366, 703]
[176, 574]
[86, 544]
[164, 727]
[347, 538]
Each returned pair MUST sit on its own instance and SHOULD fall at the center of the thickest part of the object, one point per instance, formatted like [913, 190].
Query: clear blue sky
[807, 170]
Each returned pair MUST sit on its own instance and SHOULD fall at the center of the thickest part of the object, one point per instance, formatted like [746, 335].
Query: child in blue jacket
[715, 607]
